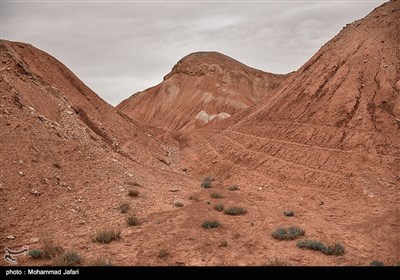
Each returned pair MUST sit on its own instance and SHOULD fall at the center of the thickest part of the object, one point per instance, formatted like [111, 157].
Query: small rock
[69, 112]
[21, 173]
[173, 190]
[10, 237]
[129, 175]
[385, 66]
[214, 162]
[21, 161]
[34, 240]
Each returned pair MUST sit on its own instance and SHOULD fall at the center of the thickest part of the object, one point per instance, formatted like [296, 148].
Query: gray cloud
[119, 48]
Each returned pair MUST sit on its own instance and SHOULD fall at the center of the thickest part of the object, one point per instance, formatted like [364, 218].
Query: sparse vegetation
[219, 207]
[106, 236]
[376, 263]
[132, 221]
[194, 197]
[336, 249]
[124, 207]
[36, 253]
[233, 188]
[50, 250]
[102, 262]
[287, 234]
[133, 193]
[178, 204]
[163, 254]
[234, 211]
[276, 262]
[207, 182]
[210, 224]
[289, 213]
[216, 195]
[68, 259]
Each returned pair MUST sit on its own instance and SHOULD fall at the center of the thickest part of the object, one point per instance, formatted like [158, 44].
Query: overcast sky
[121, 47]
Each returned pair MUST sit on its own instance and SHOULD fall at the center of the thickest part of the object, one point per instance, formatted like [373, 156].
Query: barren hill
[68, 159]
[327, 141]
[202, 87]
[318, 154]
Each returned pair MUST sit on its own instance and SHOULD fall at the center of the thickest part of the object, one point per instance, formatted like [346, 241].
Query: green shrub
[287, 234]
[178, 204]
[233, 188]
[336, 249]
[50, 250]
[124, 207]
[132, 221]
[106, 236]
[68, 259]
[133, 193]
[210, 224]
[194, 197]
[376, 263]
[234, 211]
[288, 213]
[219, 207]
[206, 184]
[216, 195]
[36, 253]
[163, 254]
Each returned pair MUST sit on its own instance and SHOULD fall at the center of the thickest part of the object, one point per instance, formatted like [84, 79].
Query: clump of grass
[178, 204]
[219, 207]
[50, 250]
[276, 262]
[211, 224]
[163, 254]
[194, 197]
[68, 259]
[133, 193]
[234, 211]
[206, 184]
[124, 207]
[106, 236]
[376, 263]
[287, 233]
[102, 262]
[336, 249]
[216, 195]
[289, 213]
[36, 253]
[233, 188]
[132, 221]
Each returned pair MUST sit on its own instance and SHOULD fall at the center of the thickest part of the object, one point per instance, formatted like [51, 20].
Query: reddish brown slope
[327, 142]
[201, 87]
[68, 159]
